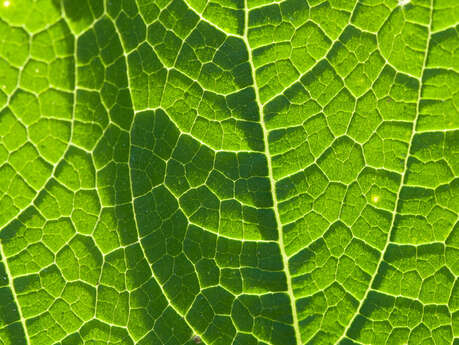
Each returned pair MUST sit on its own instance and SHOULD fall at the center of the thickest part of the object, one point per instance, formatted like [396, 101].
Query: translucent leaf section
[229, 172]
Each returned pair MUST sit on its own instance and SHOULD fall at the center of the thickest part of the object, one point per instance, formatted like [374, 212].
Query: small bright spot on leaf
[375, 198]
[403, 2]
[6, 3]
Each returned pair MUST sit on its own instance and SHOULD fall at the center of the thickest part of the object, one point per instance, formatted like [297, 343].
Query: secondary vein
[271, 179]
[13, 292]
[402, 181]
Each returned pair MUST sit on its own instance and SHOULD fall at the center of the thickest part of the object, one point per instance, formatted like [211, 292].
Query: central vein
[271, 179]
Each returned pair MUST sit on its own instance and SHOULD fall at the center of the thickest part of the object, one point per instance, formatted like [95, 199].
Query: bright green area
[226, 172]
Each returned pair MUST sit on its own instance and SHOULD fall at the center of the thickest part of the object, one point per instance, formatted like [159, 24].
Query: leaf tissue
[229, 172]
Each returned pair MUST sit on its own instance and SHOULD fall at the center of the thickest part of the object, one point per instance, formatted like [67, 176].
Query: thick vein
[271, 179]
[13, 292]
[132, 197]
[402, 182]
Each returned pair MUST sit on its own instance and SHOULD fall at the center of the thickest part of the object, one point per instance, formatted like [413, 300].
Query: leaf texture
[225, 172]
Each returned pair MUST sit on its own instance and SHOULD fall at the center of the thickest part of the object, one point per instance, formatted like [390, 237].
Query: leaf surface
[229, 172]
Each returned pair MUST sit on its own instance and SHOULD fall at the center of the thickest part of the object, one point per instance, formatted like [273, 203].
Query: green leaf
[226, 172]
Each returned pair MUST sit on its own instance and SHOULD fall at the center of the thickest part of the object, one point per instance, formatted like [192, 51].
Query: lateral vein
[402, 182]
[271, 179]
[13, 292]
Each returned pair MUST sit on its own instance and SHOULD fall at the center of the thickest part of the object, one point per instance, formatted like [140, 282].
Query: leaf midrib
[271, 178]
